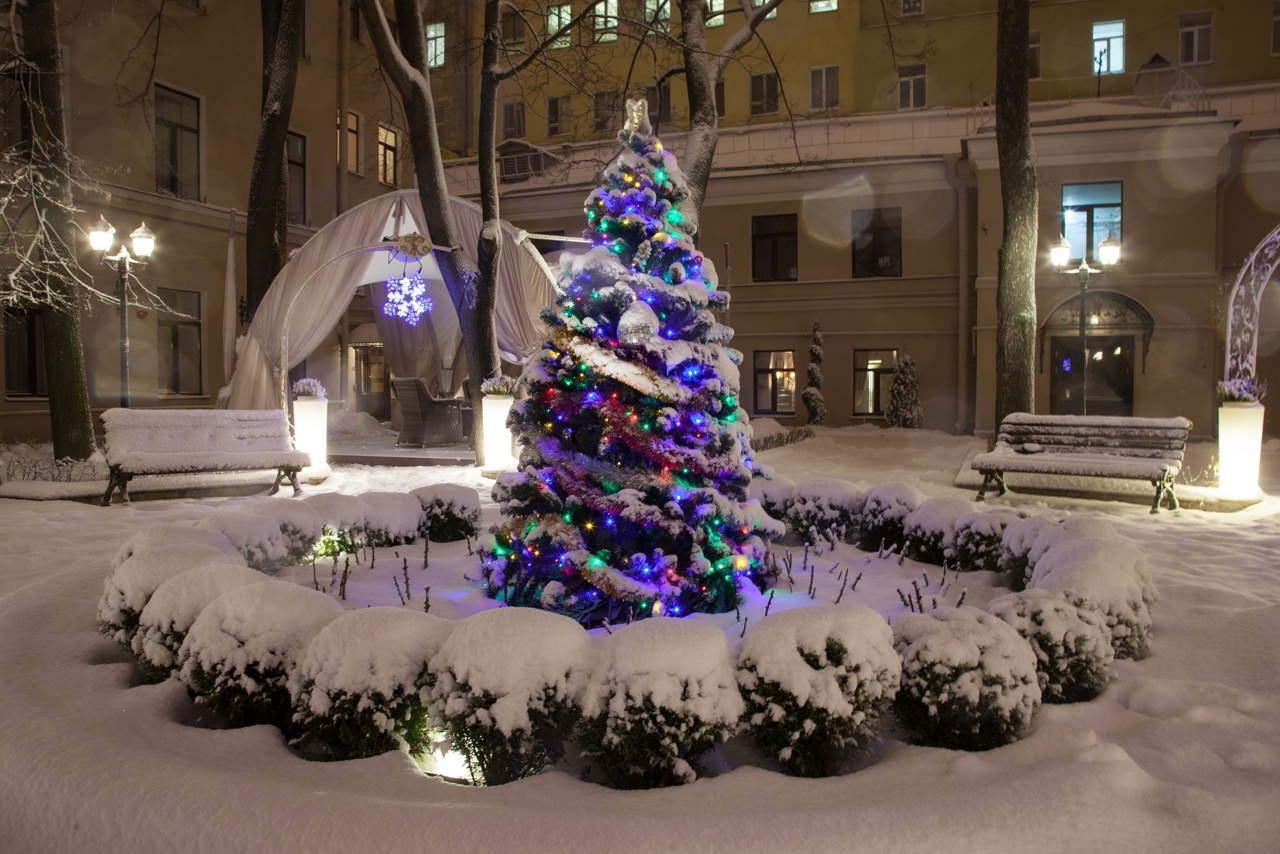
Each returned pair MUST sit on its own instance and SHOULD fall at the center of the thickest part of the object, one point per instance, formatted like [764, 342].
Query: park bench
[1101, 446]
[193, 441]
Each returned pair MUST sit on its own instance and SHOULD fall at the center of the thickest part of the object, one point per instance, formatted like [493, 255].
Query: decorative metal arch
[1115, 312]
[1245, 304]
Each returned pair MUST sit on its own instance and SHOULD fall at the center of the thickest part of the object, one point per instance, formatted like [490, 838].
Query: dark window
[659, 99]
[558, 115]
[295, 146]
[388, 148]
[774, 248]
[513, 120]
[24, 353]
[1195, 38]
[764, 94]
[604, 107]
[872, 377]
[178, 342]
[912, 7]
[513, 32]
[355, 19]
[775, 372]
[877, 243]
[15, 116]
[720, 99]
[177, 143]
[1033, 56]
[824, 88]
[1275, 28]
[911, 87]
[1089, 213]
[353, 142]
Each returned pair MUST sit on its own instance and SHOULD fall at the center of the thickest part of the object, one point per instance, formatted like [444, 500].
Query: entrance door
[373, 392]
[1109, 386]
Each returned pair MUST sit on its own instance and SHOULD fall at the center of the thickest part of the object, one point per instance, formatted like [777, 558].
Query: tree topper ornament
[638, 118]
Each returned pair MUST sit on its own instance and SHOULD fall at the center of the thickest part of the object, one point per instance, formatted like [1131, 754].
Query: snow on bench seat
[188, 441]
[1088, 446]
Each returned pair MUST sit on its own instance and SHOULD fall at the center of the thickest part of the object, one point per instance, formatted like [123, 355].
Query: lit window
[773, 14]
[295, 146]
[774, 248]
[435, 45]
[775, 373]
[513, 120]
[177, 143]
[1108, 48]
[178, 336]
[911, 87]
[388, 141]
[715, 13]
[1195, 37]
[872, 378]
[877, 243]
[558, 17]
[558, 115]
[24, 353]
[605, 23]
[1033, 55]
[824, 88]
[1090, 212]
[819, 6]
[657, 14]
[764, 94]
[604, 108]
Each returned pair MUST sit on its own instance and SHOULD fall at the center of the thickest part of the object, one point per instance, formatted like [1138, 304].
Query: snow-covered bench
[1088, 446]
[190, 441]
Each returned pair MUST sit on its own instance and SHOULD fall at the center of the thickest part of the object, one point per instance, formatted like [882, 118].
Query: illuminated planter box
[311, 434]
[497, 438]
[1239, 448]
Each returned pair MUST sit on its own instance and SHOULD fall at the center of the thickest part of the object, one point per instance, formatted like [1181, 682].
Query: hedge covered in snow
[929, 531]
[821, 512]
[1071, 641]
[1015, 546]
[979, 537]
[880, 513]
[1099, 572]
[344, 522]
[174, 535]
[773, 491]
[452, 512]
[394, 518]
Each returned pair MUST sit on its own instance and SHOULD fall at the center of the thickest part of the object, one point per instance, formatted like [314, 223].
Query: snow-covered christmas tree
[631, 498]
[814, 402]
[904, 396]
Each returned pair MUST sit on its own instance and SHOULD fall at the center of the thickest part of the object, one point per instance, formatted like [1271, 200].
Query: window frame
[720, 98]
[604, 106]
[911, 8]
[1199, 26]
[35, 381]
[513, 32]
[1035, 56]
[558, 16]
[1275, 27]
[825, 75]
[197, 132]
[510, 129]
[302, 186]
[821, 7]
[353, 138]
[659, 100]
[715, 13]
[559, 106]
[773, 374]
[880, 225]
[761, 106]
[771, 15]
[434, 36]
[1111, 43]
[657, 15]
[913, 82]
[354, 23]
[177, 322]
[879, 395]
[1090, 248]
[761, 235]
[604, 22]
[383, 150]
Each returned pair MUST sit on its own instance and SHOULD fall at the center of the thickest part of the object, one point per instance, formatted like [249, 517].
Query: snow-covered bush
[452, 511]
[126, 591]
[360, 687]
[174, 607]
[773, 493]
[930, 529]
[506, 684]
[815, 681]
[1116, 591]
[343, 520]
[259, 537]
[979, 536]
[1015, 546]
[1071, 641]
[174, 535]
[880, 513]
[393, 518]
[820, 512]
[661, 694]
[1113, 553]
[814, 403]
[968, 679]
[904, 408]
[1071, 528]
[237, 654]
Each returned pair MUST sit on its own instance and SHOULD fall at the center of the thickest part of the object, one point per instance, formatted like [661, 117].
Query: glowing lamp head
[1060, 252]
[144, 241]
[101, 235]
[1109, 250]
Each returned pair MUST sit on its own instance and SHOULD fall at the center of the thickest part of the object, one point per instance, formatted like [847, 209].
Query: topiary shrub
[1015, 546]
[979, 537]
[815, 682]
[1115, 591]
[361, 685]
[506, 689]
[174, 606]
[394, 518]
[174, 535]
[259, 539]
[821, 512]
[929, 531]
[773, 492]
[968, 679]
[1071, 641]
[1115, 554]
[452, 511]
[1071, 528]
[344, 522]
[127, 590]
[880, 513]
[662, 693]
[237, 654]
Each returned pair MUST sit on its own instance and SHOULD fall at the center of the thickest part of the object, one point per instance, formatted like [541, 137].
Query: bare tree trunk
[1016, 276]
[266, 234]
[704, 128]
[70, 421]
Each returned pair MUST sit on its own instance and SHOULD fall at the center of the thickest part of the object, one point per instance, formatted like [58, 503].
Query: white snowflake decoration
[407, 298]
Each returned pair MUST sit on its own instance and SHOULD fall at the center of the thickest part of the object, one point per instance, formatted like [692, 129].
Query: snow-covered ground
[1181, 753]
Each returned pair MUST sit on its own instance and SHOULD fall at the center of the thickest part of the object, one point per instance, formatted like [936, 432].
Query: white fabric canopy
[318, 284]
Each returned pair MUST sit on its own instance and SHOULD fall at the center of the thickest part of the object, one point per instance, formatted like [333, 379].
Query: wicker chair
[426, 420]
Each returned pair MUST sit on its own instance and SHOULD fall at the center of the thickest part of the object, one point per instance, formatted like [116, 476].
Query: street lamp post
[1108, 255]
[101, 238]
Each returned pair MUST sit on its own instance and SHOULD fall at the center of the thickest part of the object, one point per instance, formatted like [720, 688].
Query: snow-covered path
[1182, 753]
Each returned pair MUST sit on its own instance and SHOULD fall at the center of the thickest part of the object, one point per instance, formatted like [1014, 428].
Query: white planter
[1239, 448]
[311, 434]
[498, 456]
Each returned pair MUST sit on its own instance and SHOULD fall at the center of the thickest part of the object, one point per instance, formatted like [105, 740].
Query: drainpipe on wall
[963, 330]
[344, 47]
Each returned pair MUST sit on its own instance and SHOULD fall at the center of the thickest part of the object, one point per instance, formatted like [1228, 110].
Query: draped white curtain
[524, 287]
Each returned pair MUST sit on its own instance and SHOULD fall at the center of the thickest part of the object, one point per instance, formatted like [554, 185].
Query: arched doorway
[1098, 378]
